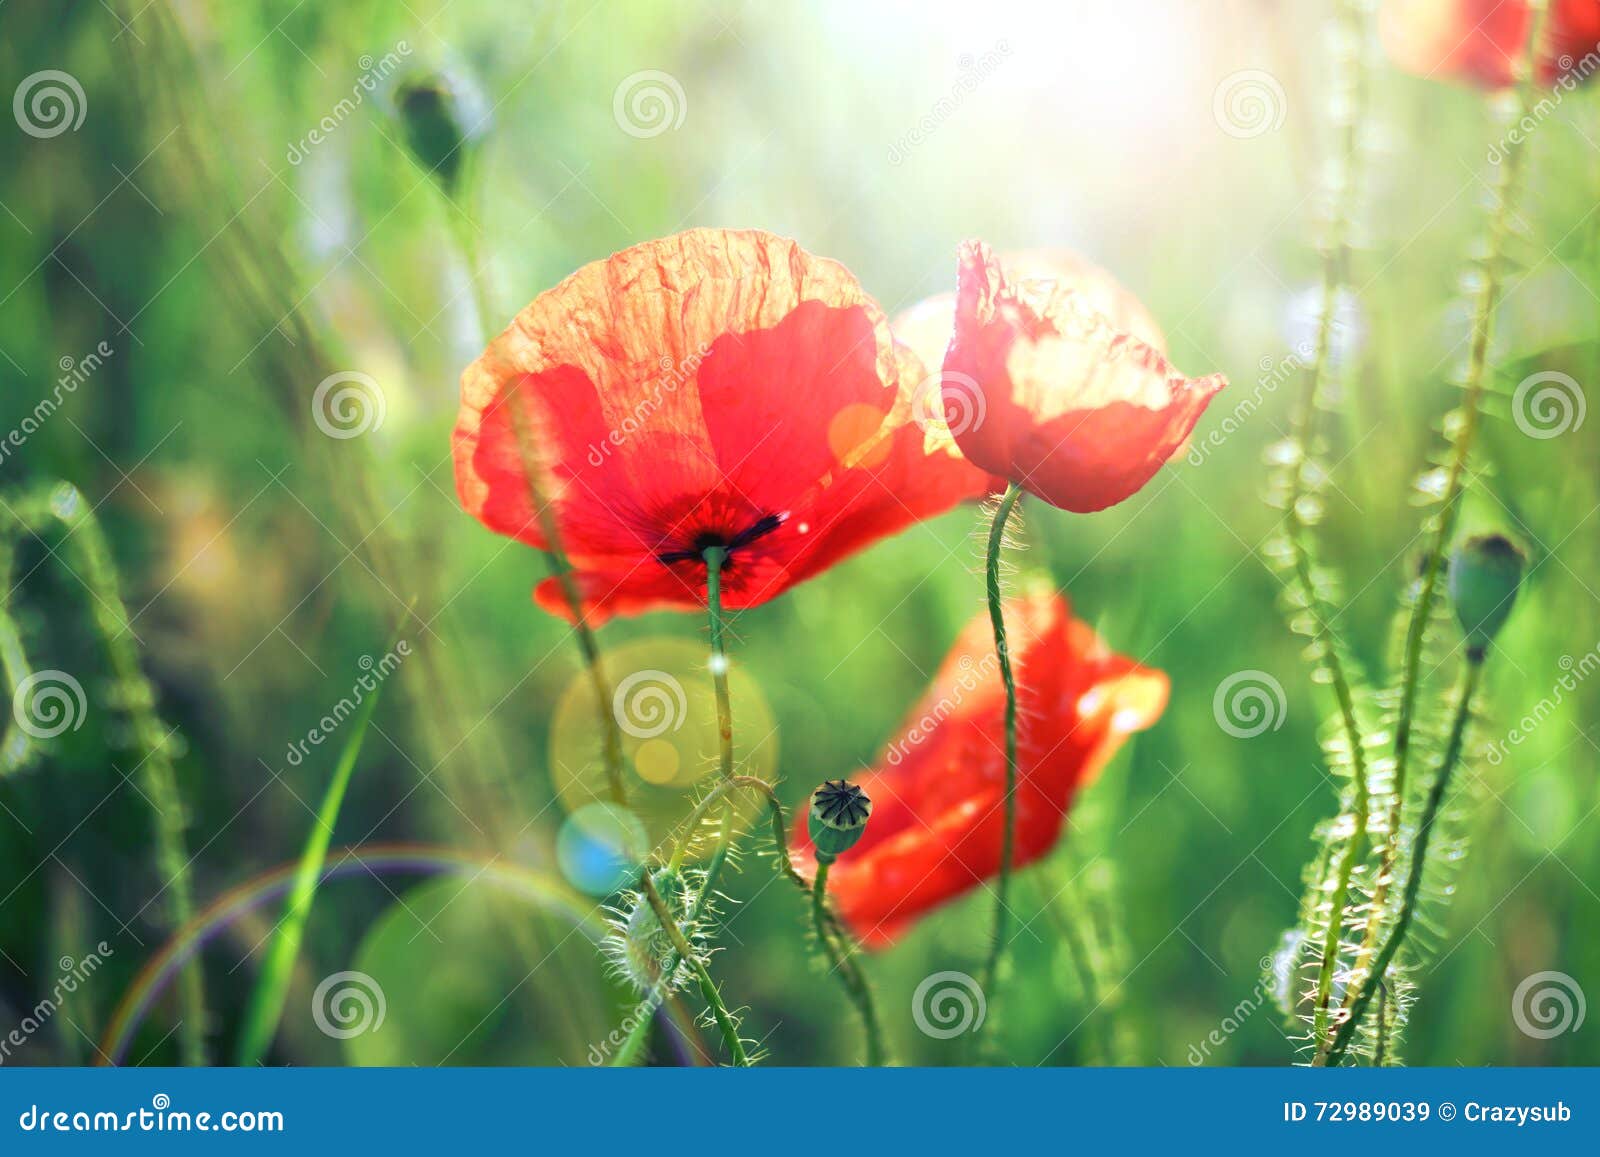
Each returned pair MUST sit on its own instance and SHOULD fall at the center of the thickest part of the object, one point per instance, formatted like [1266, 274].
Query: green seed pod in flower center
[1485, 572]
[838, 817]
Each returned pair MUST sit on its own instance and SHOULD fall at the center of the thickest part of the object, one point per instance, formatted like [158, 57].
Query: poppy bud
[437, 115]
[838, 817]
[1485, 572]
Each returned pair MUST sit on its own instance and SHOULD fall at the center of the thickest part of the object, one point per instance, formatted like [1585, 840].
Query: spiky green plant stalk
[84, 543]
[1325, 649]
[1471, 672]
[1443, 523]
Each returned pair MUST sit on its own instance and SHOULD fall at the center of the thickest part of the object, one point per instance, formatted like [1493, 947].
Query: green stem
[1419, 857]
[839, 954]
[1325, 644]
[1489, 287]
[560, 566]
[708, 988]
[86, 545]
[1002, 913]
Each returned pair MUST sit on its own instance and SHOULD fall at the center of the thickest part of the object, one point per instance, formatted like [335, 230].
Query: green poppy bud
[438, 117]
[1485, 572]
[838, 816]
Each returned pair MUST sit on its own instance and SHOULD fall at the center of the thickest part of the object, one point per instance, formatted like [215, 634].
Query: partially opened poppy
[1480, 41]
[937, 792]
[1042, 388]
[714, 389]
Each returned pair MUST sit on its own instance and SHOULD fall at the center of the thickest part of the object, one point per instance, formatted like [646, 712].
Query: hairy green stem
[86, 544]
[708, 988]
[1419, 858]
[1482, 327]
[839, 954]
[1298, 532]
[1002, 913]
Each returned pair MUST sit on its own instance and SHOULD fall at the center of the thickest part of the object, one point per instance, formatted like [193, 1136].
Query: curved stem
[1298, 532]
[1489, 288]
[840, 956]
[544, 512]
[1419, 858]
[708, 988]
[1002, 913]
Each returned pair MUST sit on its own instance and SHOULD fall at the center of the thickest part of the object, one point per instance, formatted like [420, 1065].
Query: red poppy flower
[1042, 388]
[938, 791]
[714, 388]
[1479, 41]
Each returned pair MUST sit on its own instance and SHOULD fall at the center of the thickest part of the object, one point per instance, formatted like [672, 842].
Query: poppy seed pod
[838, 817]
[1485, 572]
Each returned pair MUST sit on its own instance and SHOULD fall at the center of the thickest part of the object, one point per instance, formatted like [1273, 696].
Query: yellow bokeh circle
[664, 703]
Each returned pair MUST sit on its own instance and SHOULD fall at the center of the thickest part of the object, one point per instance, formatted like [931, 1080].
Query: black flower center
[728, 543]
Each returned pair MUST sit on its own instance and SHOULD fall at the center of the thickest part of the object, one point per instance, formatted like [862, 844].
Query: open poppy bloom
[938, 814]
[1479, 41]
[716, 388]
[1042, 388]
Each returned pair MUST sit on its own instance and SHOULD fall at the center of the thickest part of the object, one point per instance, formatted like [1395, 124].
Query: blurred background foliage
[261, 560]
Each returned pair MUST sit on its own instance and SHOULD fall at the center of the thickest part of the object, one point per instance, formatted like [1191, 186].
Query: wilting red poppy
[938, 790]
[1479, 41]
[1041, 388]
[714, 388]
